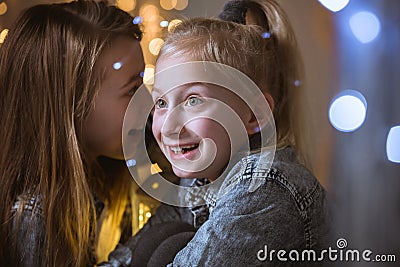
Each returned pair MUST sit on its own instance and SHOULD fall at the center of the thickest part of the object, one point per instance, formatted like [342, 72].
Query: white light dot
[393, 145]
[348, 111]
[164, 23]
[117, 65]
[137, 20]
[365, 26]
[131, 163]
[266, 35]
[334, 5]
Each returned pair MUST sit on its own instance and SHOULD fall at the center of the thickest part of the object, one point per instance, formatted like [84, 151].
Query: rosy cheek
[156, 126]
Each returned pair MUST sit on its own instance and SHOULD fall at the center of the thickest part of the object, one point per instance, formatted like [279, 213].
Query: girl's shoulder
[276, 178]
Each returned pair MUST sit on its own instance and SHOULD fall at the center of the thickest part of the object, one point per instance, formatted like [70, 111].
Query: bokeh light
[266, 35]
[365, 26]
[334, 5]
[137, 20]
[3, 35]
[164, 24]
[155, 185]
[393, 145]
[173, 23]
[126, 5]
[181, 4]
[3, 8]
[148, 12]
[131, 163]
[155, 45]
[148, 78]
[117, 65]
[347, 111]
[168, 4]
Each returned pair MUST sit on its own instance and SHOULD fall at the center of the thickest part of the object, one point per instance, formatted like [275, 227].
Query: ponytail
[284, 74]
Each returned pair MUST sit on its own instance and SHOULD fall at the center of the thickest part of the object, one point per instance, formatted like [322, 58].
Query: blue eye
[160, 103]
[193, 101]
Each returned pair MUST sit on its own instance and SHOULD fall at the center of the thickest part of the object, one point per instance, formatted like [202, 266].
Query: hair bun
[235, 11]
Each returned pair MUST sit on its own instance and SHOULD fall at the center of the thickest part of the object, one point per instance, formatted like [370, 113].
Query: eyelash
[157, 106]
[199, 101]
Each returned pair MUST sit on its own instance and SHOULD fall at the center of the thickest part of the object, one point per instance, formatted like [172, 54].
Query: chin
[184, 174]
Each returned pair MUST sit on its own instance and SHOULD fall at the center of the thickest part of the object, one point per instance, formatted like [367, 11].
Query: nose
[173, 123]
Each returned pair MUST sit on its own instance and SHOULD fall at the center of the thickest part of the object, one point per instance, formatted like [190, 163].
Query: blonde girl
[286, 209]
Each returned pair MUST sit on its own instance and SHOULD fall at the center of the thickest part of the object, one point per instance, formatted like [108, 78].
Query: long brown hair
[258, 40]
[48, 82]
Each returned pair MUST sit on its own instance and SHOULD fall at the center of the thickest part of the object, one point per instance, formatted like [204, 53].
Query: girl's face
[123, 65]
[193, 124]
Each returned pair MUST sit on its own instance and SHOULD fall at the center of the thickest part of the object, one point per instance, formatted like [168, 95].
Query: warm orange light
[155, 46]
[173, 23]
[126, 5]
[181, 4]
[3, 35]
[3, 8]
[155, 168]
[168, 4]
[148, 11]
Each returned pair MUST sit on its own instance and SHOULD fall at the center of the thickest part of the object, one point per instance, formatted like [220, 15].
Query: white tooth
[176, 150]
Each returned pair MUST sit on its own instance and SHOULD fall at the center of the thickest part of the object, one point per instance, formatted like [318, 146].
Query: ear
[261, 115]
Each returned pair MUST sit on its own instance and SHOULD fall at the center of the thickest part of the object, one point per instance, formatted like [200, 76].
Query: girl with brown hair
[67, 74]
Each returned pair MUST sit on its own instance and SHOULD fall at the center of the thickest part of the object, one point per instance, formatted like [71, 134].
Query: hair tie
[235, 11]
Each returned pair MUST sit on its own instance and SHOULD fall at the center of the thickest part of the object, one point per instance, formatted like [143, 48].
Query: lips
[183, 149]
[187, 151]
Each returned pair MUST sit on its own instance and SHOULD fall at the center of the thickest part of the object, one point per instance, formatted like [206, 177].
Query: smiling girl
[203, 128]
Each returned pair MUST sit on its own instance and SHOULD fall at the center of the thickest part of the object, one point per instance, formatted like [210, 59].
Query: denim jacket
[285, 209]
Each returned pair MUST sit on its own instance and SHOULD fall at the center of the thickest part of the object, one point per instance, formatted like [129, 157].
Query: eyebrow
[185, 86]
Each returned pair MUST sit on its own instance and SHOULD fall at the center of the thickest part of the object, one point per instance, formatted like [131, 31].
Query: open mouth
[183, 149]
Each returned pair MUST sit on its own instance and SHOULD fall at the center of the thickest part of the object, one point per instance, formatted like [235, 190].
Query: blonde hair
[266, 51]
[48, 82]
